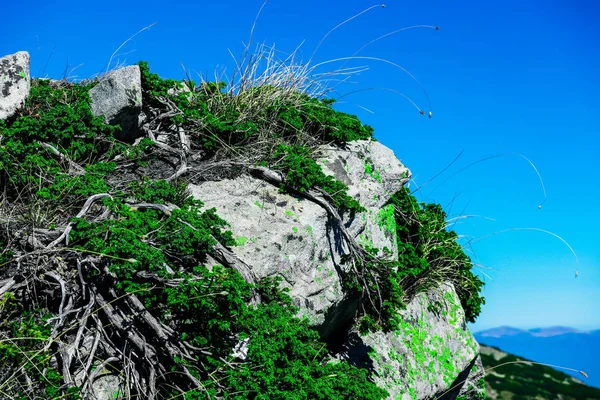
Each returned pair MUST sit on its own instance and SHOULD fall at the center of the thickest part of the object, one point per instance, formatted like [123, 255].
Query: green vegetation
[303, 173]
[53, 116]
[237, 118]
[107, 243]
[370, 170]
[429, 254]
[117, 249]
[526, 381]
[23, 353]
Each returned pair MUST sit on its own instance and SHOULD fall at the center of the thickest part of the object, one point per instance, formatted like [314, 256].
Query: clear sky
[503, 77]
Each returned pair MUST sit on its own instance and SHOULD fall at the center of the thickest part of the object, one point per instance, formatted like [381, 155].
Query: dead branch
[7, 285]
[219, 252]
[86, 207]
[78, 169]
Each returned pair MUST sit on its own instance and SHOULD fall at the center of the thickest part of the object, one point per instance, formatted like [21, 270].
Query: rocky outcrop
[432, 355]
[289, 236]
[373, 174]
[118, 97]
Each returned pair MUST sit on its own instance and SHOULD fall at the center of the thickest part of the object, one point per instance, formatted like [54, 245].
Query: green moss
[371, 171]
[387, 220]
[241, 241]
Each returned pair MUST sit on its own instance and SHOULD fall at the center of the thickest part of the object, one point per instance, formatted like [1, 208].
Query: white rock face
[369, 169]
[14, 82]
[279, 234]
[118, 97]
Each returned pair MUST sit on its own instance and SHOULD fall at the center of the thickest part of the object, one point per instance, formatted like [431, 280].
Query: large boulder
[431, 355]
[279, 234]
[118, 97]
[14, 82]
[285, 235]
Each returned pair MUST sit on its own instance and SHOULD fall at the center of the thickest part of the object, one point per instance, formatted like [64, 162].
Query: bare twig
[86, 207]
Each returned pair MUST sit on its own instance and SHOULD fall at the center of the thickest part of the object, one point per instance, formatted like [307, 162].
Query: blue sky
[503, 77]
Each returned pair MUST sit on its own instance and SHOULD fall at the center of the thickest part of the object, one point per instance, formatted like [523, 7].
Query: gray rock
[14, 82]
[372, 173]
[369, 169]
[279, 234]
[432, 352]
[283, 235]
[118, 97]
[109, 386]
[473, 386]
[241, 349]
[180, 88]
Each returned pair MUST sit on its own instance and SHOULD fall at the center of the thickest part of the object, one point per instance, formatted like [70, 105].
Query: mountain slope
[557, 345]
[529, 381]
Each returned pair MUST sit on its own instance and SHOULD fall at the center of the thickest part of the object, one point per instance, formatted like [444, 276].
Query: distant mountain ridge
[542, 332]
[553, 331]
[557, 345]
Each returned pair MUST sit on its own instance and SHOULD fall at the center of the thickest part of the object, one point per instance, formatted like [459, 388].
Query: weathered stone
[107, 384]
[431, 352]
[118, 97]
[369, 169]
[14, 82]
[473, 385]
[373, 174]
[180, 88]
[279, 234]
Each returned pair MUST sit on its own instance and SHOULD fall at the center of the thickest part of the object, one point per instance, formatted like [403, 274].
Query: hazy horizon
[582, 329]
